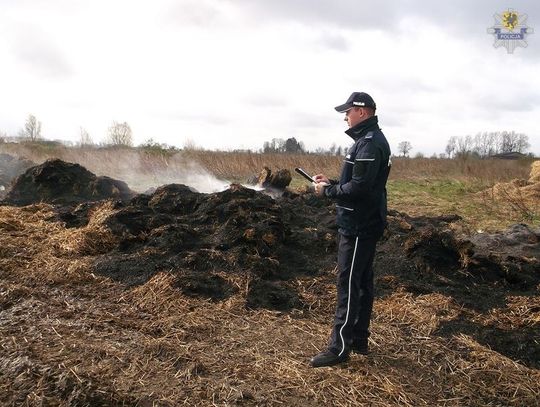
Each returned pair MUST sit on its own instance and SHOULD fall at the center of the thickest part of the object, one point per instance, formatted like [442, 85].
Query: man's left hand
[319, 188]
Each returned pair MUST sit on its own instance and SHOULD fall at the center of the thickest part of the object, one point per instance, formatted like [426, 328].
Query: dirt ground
[181, 298]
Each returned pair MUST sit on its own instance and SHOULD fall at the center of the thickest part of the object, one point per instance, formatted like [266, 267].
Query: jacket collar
[362, 128]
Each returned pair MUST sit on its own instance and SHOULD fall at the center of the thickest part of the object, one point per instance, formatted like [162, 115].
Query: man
[360, 196]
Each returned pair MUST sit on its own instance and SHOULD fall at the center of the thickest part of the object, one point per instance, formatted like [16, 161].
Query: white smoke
[146, 172]
[177, 170]
[145, 175]
[186, 172]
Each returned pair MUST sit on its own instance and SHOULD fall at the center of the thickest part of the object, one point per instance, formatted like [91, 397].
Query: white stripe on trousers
[348, 300]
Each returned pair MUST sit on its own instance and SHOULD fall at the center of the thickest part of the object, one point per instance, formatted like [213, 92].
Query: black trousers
[354, 292]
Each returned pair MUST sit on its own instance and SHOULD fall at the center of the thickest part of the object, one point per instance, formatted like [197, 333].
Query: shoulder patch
[368, 137]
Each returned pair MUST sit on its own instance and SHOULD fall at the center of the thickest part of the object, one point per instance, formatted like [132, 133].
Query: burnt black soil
[239, 232]
[434, 258]
[423, 255]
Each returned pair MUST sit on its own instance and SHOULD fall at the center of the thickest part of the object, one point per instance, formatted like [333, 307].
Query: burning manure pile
[215, 244]
[58, 182]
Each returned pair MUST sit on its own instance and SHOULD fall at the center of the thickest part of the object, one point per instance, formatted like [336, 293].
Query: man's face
[354, 116]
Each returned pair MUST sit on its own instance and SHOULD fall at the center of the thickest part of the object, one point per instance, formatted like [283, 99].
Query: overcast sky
[234, 73]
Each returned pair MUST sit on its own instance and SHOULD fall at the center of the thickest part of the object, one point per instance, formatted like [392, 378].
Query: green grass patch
[464, 197]
[432, 197]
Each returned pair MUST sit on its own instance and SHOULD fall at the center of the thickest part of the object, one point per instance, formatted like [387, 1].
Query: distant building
[513, 155]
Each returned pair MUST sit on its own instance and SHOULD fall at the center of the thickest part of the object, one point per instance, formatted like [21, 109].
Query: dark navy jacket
[361, 190]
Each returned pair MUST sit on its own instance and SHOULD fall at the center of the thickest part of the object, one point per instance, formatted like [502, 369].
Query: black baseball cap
[357, 99]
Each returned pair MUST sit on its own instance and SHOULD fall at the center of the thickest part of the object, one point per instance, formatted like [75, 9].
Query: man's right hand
[321, 178]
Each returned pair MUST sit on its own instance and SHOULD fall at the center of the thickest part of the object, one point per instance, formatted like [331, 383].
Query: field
[220, 299]
[416, 186]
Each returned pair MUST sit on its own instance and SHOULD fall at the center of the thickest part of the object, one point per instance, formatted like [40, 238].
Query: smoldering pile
[199, 237]
[213, 243]
[203, 239]
[58, 182]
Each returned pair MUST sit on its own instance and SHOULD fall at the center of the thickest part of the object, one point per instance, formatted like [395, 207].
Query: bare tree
[190, 145]
[404, 148]
[32, 129]
[120, 134]
[332, 149]
[485, 144]
[451, 146]
[277, 145]
[522, 144]
[492, 143]
[508, 141]
[464, 146]
[84, 138]
[514, 142]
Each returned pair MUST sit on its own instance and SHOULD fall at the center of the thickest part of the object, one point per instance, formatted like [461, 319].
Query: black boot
[360, 346]
[328, 358]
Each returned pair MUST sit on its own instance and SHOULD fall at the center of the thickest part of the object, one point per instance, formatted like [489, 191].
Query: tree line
[487, 144]
[118, 134]
[484, 144]
[293, 146]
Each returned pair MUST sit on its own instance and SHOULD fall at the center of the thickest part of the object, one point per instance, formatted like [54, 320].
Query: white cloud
[231, 74]
[36, 53]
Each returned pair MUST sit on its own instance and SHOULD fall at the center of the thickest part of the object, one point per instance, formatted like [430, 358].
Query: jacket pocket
[346, 217]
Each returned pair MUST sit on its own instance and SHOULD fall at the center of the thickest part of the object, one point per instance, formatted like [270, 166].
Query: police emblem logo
[510, 20]
[510, 30]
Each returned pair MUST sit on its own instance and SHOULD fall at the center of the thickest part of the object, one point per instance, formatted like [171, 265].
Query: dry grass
[238, 166]
[486, 172]
[519, 196]
[71, 338]
[520, 312]
[534, 177]
[93, 239]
